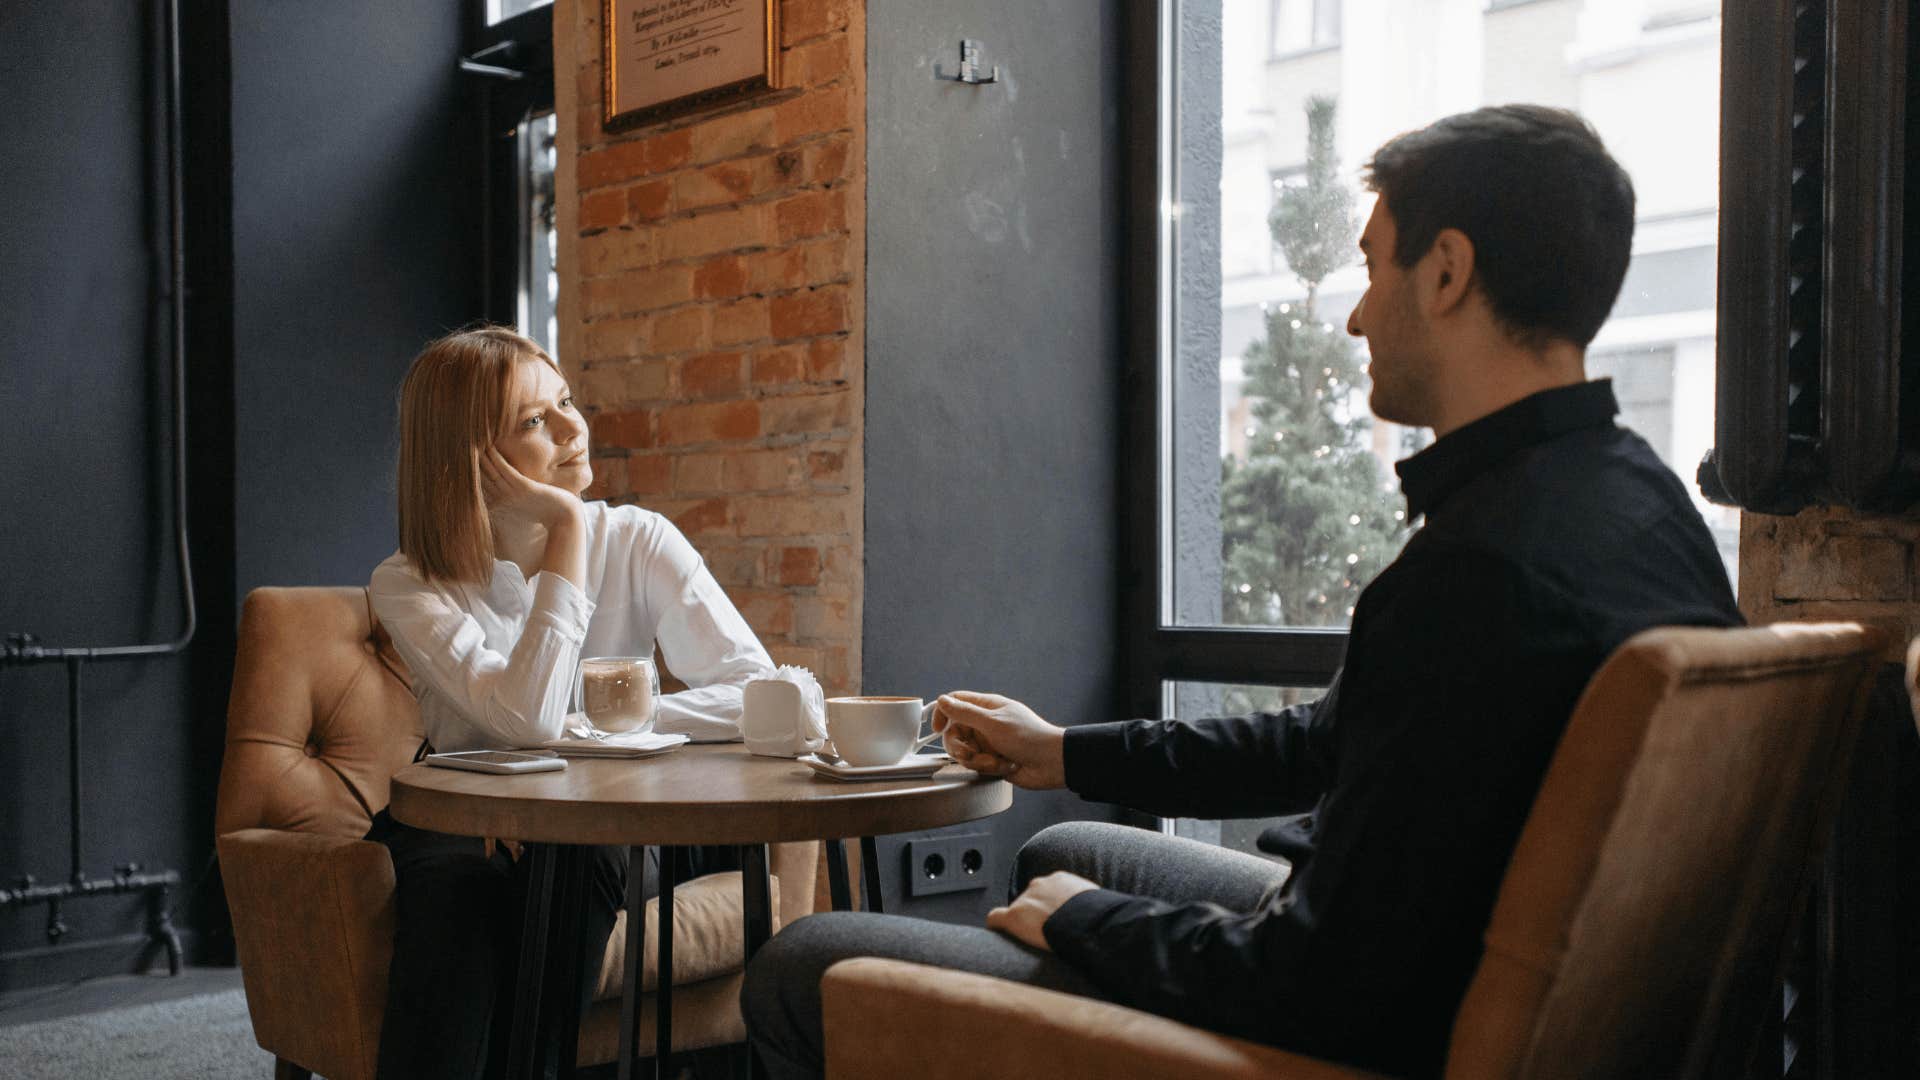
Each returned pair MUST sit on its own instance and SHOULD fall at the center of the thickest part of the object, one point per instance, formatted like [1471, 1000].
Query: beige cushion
[709, 936]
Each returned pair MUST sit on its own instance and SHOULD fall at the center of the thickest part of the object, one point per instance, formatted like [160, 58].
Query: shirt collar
[1431, 475]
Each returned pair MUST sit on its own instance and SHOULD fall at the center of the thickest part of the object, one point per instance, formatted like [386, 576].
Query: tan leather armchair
[320, 719]
[1637, 932]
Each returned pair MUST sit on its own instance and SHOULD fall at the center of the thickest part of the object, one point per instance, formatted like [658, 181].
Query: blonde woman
[504, 579]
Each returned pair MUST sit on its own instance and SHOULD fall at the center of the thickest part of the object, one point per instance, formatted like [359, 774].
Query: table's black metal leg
[870, 874]
[663, 996]
[756, 907]
[564, 957]
[635, 960]
[756, 897]
[523, 1047]
[839, 888]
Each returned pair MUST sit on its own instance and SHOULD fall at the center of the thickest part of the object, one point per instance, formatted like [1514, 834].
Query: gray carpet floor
[205, 1036]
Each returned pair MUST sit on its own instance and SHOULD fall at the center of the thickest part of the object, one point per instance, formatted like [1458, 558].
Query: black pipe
[26, 648]
[73, 766]
[30, 891]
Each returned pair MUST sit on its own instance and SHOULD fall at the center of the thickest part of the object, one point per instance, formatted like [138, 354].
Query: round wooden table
[696, 795]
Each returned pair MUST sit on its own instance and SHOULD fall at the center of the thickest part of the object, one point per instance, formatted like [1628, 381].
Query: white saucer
[617, 746]
[912, 767]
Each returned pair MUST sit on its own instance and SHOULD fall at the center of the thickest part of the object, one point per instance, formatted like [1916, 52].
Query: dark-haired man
[1550, 536]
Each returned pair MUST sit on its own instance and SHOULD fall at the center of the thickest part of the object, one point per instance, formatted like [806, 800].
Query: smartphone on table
[498, 761]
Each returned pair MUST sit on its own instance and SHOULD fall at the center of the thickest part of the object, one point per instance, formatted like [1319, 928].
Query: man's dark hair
[1549, 212]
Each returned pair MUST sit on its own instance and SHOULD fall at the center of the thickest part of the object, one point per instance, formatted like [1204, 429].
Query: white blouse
[497, 665]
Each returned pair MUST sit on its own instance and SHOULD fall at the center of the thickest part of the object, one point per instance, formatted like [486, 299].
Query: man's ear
[1450, 271]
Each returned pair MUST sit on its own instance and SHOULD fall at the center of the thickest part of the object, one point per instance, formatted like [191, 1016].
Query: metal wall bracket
[970, 72]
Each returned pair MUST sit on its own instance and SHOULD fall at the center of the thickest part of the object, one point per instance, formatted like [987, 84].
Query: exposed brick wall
[710, 272]
[1832, 564]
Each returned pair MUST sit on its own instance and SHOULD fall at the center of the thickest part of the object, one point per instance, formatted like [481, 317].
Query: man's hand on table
[998, 736]
[1027, 916]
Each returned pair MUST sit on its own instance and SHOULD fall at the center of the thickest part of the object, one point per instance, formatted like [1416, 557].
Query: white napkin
[785, 715]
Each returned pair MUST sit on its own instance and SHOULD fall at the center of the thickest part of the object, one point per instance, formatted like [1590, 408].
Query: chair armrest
[313, 920]
[888, 1018]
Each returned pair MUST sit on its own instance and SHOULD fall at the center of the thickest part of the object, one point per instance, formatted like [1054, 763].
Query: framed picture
[668, 57]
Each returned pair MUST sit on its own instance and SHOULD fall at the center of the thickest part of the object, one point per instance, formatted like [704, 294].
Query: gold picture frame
[665, 58]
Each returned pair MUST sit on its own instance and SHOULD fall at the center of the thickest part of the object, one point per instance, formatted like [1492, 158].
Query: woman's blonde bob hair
[453, 405]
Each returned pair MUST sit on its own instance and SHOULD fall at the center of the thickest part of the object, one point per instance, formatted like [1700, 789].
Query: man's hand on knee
[998, 736]
[1027, 916]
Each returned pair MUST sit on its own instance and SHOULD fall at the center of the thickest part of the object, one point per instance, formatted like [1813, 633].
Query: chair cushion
[709, 936]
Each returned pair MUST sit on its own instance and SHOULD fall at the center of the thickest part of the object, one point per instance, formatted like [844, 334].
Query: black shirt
[1551, 536]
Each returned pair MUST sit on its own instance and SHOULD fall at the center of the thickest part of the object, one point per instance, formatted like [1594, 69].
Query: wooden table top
[702, 794]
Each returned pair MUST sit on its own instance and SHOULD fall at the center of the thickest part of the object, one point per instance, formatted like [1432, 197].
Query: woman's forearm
[566, 553]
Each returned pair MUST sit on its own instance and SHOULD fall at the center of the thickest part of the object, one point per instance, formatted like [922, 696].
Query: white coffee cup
[877, 730]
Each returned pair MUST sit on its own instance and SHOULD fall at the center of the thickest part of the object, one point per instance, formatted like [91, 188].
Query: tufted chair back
[320, 719]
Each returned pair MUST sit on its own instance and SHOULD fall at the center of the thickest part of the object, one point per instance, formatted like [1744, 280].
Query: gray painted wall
[993, 360]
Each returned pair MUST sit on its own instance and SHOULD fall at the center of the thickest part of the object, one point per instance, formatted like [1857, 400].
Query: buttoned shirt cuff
[563, 604]
[1093, 757]
[1071, 929]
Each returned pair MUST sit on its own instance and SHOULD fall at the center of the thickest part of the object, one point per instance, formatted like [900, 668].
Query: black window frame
[499, 104]
[1153, 651]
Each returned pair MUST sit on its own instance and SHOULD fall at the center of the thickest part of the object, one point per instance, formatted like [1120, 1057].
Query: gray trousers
[781, 997]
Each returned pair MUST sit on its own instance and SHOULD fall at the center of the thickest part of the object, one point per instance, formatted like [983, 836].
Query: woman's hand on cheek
[510, 494]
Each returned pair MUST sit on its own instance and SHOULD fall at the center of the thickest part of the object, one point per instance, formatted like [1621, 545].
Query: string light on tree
[1306, 514]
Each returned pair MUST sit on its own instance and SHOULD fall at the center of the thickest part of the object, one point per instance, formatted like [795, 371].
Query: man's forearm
[1249, 766]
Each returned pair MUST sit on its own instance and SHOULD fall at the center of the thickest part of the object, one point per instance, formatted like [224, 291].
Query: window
[502, 10]
[1271, 486]
[508, 65]
[1188, 701]
[1304, 25]
[539, 278]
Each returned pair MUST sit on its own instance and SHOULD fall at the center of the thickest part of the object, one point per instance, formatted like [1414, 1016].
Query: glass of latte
[618, 692]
